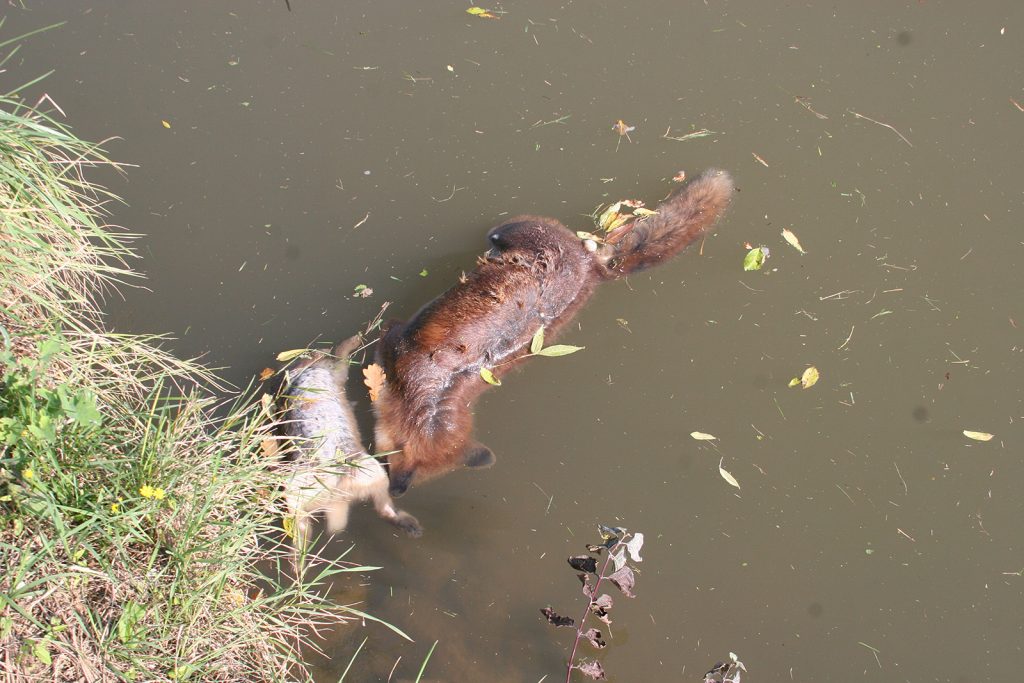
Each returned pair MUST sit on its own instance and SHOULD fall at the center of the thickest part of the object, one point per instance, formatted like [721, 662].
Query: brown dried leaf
[265, 374]
[594, 637]
[592, 670]
[269, 448]
[624, 580]
[373, 378]
[584, 578]
[556, 619]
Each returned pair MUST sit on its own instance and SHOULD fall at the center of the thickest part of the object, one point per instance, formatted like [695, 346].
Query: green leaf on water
[538, 341]
[754, 259]
[559, 350]
[488, 376]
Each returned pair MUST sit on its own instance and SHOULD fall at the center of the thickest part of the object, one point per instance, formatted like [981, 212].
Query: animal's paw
[409, 524]
[479, 455]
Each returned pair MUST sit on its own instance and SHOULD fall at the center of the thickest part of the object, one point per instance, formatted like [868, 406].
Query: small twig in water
[884, 125]
[852, 327]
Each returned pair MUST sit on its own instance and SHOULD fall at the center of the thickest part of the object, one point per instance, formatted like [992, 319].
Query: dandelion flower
[158, 493]
[147, 491]
[27, 474]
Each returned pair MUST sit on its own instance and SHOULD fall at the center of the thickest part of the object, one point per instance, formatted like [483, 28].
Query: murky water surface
[310, 151]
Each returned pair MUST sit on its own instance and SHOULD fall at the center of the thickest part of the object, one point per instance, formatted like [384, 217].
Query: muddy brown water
[373, 143]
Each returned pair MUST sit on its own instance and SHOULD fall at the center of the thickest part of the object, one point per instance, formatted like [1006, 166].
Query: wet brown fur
[536, 273]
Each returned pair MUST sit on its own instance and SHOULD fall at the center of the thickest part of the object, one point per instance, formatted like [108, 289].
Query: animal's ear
[399, 482]
[478, 455]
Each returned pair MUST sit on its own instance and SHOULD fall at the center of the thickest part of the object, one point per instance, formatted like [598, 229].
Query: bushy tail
[686, 215]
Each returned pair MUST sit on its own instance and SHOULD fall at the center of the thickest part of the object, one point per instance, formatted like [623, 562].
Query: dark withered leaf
[556, 619]
[600, 607]
[583, 563]
[584, 578]
[595, 548]
[594, 637]
[624, 581]
[593, 670]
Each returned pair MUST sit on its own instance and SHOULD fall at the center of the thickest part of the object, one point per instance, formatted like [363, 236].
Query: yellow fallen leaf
[788, 235]
[374, 378]
[488, 376]
[725, 474]
[286, 356]
[609, 216]
[481, 12]
[165, 124]
[978, 436]
[701, 436]
[809, 378]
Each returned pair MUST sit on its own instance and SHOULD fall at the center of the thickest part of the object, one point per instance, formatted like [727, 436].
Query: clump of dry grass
[138, 533]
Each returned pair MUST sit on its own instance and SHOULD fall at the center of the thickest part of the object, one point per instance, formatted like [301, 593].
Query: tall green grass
[138, 533]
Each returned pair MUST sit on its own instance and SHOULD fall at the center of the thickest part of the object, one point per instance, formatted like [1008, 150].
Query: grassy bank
[137, 530]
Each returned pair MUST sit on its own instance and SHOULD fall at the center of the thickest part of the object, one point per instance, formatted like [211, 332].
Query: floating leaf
[286, 356]
[165, 124]
[593, 636]
[754, 259]
[584, 578]
[726, 475]
[362, 291]
[481, 12]
[583, 563]
[978, 436]
[424, 273]
[556, 619]
[619, 558]
[537, 343]
[559, 350]
[600, 606]
[624, 581]
[702, 436]
[795, 382]
[634, 545]
[488, 376]
[592, 670]
[374, 378]
[809, 378]
[265, 374]
[788, 235]
[609, 216]
[643, 213]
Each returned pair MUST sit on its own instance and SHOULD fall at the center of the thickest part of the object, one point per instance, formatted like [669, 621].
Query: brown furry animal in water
[329, 469]
[537, 273]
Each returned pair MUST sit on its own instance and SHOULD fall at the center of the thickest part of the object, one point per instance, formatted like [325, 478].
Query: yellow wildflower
[27, 474]
[146, 491]
[114, 507]
[158, 493]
